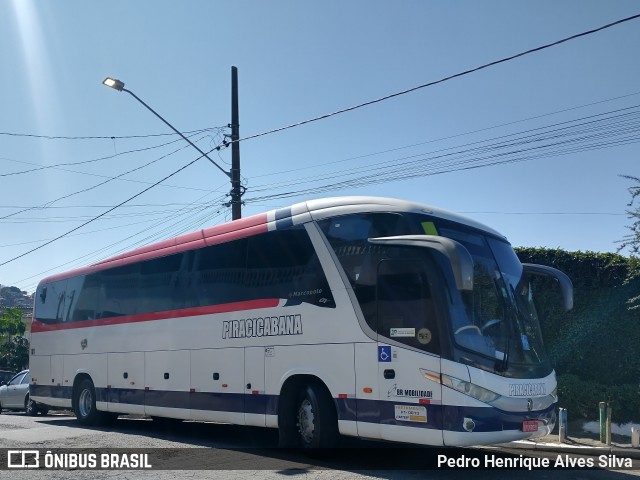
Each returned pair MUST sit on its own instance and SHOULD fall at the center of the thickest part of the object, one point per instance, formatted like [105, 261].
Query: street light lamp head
[113, 83]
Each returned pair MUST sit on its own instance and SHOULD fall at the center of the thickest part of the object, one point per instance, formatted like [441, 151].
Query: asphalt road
[205, 450]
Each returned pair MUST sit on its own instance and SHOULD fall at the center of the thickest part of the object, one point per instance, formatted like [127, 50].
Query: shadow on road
[212, 446]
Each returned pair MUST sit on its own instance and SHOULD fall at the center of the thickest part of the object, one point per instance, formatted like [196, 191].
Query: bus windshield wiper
[505, 358]
[512, 313]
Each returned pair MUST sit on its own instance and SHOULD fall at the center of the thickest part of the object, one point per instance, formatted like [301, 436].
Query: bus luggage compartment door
[254, 398]
[167, 384]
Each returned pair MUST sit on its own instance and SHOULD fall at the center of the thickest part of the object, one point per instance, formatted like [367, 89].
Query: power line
[177, 228]
[78, 234]
[128, 247]
[545, 213]
[343, 160]
[102, 137]
[358, 106]
[442, 80]
[129, 180]
[84, 190]
[440, 168]
[84, 162]
[101, 215]
[404, 147]
[78, 218]
[135, 205]
[587, 132]
[593, 123]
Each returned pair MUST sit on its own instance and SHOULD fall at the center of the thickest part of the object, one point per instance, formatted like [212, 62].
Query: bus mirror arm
[566, 286]
[458, 256]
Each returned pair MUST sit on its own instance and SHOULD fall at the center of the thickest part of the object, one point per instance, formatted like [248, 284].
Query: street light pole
[118, 85]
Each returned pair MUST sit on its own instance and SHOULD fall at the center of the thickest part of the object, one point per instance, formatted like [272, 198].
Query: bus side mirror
[458, 256]
[566, 287]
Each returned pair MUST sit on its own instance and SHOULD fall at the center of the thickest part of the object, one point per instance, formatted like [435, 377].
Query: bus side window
[349, 234]
[217, 275]
[82, 295]
[50, 306]
[118, 291]
[283, 264]
[158, 284]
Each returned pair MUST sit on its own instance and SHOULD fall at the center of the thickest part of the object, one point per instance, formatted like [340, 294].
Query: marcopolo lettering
[305, 293]
[526, 389]
[263, 327]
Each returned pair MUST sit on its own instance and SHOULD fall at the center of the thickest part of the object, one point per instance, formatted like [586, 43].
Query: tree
[14, 347]
[4, 290]
[632, 240]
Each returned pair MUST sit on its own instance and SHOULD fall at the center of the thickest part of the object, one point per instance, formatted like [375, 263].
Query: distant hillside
[14, 297]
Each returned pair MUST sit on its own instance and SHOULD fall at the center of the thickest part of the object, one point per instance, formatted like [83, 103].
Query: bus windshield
[498, 319]
[494, 327]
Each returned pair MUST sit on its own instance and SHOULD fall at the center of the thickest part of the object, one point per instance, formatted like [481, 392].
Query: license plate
[530, 426]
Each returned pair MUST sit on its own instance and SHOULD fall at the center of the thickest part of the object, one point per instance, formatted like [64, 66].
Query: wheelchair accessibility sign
[384, 353]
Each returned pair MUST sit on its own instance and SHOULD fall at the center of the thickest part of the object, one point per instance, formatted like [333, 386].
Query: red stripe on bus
[39, 326]
[244, 227]
[228, 237]
[236, 226]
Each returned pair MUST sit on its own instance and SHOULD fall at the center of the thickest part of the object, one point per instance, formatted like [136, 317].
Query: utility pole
[236, 193]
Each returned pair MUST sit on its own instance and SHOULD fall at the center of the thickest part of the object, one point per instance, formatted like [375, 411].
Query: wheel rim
[306, 426]
[30, 406]
[85, 403]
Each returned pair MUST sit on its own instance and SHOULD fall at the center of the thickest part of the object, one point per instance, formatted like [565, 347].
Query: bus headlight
[471, 389]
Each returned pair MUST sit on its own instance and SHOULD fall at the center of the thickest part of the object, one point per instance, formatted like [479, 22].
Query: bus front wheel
[84, 405]
[316, 419]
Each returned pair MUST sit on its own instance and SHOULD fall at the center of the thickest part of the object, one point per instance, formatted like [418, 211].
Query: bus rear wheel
[316, 420]
[30, 406]
[84, 404]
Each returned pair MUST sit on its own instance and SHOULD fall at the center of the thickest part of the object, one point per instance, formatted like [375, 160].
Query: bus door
[408, 350]
[254, 398]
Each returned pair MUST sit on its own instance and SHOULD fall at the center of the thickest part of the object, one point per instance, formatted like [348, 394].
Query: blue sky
[296, 60]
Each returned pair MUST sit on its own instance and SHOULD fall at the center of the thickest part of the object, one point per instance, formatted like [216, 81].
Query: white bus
[357, 316]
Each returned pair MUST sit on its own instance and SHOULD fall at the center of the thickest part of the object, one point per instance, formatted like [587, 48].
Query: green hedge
[596, 347]
[581, 397]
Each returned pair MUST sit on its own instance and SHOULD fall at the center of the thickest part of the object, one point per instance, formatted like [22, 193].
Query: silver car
[15, 395]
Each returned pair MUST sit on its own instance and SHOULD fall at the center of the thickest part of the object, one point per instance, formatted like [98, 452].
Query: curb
[627, 452]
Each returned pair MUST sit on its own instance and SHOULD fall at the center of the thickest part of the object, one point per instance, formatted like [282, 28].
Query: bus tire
[84, 403]
[316, 420]
[30, 406]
